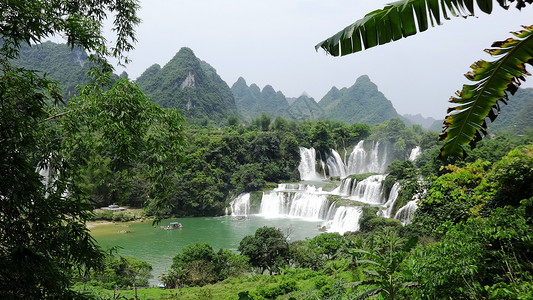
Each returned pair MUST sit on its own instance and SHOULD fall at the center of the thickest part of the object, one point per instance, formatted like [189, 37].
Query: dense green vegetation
[42, 221]
[471, 237]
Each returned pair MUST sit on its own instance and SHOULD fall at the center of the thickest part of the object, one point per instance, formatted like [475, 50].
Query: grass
[308, 284]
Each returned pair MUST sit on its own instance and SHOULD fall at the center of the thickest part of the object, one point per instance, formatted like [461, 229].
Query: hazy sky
[272, 42]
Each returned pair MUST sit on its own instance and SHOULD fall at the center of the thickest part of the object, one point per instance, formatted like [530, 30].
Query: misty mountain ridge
[251, 101]
[360, 103]
[194, 87]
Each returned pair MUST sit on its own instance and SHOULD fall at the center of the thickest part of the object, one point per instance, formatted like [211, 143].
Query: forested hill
[516, 116]
[190, 85]
[59, 62]
[251, 101]
[361, 103]
[306, 108]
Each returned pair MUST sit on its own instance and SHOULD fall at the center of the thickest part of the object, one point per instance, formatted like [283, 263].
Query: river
[158, 246]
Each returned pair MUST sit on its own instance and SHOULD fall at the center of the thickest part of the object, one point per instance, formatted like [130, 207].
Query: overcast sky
[272, 42]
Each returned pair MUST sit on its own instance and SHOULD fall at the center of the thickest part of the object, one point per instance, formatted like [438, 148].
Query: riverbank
[106, 217]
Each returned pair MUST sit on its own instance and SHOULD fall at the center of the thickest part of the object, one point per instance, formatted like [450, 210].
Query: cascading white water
[346, 186]
[291, 187]
[389, 205]
[343, 218]
[369, 190]
[373, 159]
[405, 214]
[307, 201]
[304, 204]
[414, 153]
[307, 165]
[240, 206]
[336, 165]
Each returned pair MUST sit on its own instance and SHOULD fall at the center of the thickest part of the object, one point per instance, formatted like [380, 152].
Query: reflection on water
[158, 246]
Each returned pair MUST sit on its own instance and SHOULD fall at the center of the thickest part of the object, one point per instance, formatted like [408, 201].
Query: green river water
[158, 246]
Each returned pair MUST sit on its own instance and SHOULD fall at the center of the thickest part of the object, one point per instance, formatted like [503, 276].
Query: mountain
[190, 85]
[360, 103]
[59, 62]
[251, 101]
[425, 122]
[305, 108]
[516, 115]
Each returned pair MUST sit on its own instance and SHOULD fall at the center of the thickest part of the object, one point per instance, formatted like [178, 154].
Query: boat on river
[173, 225]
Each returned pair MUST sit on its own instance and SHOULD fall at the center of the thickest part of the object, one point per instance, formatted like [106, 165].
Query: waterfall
[291, 187]
[303, 204]
[414, 153]
[311, 203]
[303, 200]
[369, 159]
[240, 206]
[389, 205]
[405, 214]
[346, 186]
[336, 165]
[307, 165]
[369, 190]
[345, 218]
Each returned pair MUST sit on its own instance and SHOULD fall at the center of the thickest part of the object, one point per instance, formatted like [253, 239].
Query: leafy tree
[328, 244]
[122, 272]
[267, 249]
[492, 80]
[196, 261]
[454, 197]
[320, 137]
[229, 264]
[264, 121]
[386, 273]
[42, 230]
[481, 258]
[280, 124]
[198, 265]
[513, 177]
[233, 121]
[303, 255]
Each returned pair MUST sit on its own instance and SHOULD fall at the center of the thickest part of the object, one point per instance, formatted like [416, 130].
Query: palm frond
[401, 19]
[466, 122]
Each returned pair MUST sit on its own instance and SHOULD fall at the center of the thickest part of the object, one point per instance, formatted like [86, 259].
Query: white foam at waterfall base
[345, 218]
[240, 206]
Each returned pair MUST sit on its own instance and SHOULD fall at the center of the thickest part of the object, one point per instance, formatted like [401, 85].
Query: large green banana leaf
[404, 18]
[466, 122]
